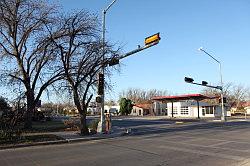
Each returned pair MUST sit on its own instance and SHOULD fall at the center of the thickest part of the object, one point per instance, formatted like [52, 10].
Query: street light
[221, 82]
[101, 123]
[149, 42]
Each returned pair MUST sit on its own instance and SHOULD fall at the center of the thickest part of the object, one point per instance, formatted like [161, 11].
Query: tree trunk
[83, 125]
[29, 110]
[82, 110]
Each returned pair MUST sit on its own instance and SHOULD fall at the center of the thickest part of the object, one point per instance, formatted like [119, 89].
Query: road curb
[58, 142]
[32, 144]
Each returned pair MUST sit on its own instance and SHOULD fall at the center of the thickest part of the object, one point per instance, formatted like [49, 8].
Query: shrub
[10, 125]
[93, 125]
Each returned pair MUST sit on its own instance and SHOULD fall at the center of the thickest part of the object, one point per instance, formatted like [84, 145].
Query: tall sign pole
[223, 117]
[101, 124]
[149, 42]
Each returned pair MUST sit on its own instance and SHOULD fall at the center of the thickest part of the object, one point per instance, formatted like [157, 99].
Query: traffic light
[204, 83]
[152, 39]
[189, 80]
[114, 61]
[100, 84]
[98, 99]
[224, 100]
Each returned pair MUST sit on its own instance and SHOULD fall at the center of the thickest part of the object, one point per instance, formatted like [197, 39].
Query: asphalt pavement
[149, 144]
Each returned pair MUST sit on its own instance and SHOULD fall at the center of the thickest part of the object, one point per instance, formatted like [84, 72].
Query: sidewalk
[74, 136]
[68, 137]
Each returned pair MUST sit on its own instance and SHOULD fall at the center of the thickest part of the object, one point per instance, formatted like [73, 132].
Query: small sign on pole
[151, 39]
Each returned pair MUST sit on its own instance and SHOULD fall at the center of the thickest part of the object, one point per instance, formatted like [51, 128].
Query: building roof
[143, 106]
[246, 104]
[182, 97]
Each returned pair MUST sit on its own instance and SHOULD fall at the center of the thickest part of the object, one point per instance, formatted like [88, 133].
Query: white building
[247, 110]
[187, 109]
[186, 106]
[93, 109]
[246, 106]
[242, 108]
[141, 109]
[112, 109]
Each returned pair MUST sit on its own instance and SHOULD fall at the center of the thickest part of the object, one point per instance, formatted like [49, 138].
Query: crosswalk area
[217, 143]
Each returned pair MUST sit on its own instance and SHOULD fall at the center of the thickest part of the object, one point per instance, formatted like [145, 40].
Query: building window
[175, 111]
[184, 110]
[208, 109]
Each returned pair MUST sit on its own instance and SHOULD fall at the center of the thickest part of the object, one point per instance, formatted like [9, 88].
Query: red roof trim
[182, 97]
[143, 106]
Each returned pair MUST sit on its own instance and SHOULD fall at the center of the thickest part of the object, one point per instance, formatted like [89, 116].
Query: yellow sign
[152, 39]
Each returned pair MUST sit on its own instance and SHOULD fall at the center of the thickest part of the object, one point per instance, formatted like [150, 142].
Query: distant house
[112, 109]
[246, 106]
[241, 108]
[247, 109]
[141, 109]
[70, 110]
[93, 109]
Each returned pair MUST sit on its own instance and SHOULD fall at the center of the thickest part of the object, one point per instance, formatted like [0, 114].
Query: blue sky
[221, 27]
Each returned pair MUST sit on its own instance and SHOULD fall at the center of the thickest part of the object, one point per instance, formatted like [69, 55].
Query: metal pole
[103, 58]
[222, 96]
[221, 82]
[103, 69]
[198, 108]
[172, 109]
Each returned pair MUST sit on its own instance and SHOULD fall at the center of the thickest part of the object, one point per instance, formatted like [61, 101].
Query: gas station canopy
[196, 97]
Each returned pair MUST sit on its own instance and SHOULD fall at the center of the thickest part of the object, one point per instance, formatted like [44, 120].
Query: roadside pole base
[100, 128]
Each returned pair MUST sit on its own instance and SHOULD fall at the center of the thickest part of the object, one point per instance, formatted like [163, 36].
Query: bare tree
[25, 43]
[217, 93]
[235, 94]
[142, 96]
[248, 94]
[238, 96]
[78, 42]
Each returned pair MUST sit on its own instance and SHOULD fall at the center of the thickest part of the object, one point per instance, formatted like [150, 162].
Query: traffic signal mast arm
[149, 42]
[216, 87]
[138, 50]
[204, 83]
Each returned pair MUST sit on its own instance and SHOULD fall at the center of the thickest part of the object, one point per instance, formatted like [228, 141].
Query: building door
[203, 112]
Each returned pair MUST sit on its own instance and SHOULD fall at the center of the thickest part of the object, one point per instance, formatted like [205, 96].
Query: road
[149, 145]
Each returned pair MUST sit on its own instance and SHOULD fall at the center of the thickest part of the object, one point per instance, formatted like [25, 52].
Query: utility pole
[149, 42]
[223, 118]
[101, 123]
